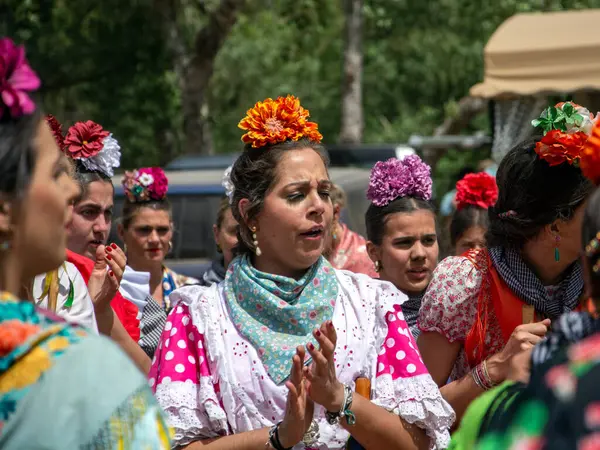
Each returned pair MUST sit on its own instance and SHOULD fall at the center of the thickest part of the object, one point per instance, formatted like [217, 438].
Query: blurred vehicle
[195, 197]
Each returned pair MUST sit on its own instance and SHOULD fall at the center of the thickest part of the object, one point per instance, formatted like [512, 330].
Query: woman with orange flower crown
[271, 356]
[485, 310]
[146, 228]
[475, 193]
[61, 387]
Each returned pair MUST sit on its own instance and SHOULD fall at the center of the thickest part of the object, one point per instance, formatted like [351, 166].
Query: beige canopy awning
[537, 53]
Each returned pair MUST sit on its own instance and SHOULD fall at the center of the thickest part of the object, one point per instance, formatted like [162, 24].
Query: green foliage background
[107, 61]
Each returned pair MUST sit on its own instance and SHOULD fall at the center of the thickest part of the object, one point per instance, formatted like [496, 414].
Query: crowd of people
[302, 333]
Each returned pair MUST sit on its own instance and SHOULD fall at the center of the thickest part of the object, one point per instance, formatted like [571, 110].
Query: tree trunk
[352, 111]
[194, 67]
[468, 107]
[208, 42]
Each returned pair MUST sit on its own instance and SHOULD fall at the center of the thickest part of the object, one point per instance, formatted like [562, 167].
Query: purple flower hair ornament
[408, 177]
[16, 80]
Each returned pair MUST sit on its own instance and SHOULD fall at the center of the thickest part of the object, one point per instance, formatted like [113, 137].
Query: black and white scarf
[410, 309]
[523, 282]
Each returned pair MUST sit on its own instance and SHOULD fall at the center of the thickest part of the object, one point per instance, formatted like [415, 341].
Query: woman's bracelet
[335, 417]
[274, 442]
[482, 377]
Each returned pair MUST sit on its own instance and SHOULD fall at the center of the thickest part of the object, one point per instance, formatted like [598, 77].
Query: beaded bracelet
[482, 377]
[334, 418]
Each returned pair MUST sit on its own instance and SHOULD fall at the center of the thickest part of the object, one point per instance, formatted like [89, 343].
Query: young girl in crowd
[225, 234]
[475, 193]
[93, 154]
[401, 228]
[48, 366]
[484, 309]
[346, 249]
[554, 408]
[146, 228]
[269, 357]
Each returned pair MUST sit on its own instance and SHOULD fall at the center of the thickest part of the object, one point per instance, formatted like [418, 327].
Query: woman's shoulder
[180, 279]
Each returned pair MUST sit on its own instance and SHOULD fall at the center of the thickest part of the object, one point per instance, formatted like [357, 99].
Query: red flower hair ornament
[566, 128]
[89, 143]
[477, 189]
[145, 185]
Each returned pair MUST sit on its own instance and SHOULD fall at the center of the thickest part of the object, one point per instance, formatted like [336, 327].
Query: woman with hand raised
[484, 311]
[269, 357]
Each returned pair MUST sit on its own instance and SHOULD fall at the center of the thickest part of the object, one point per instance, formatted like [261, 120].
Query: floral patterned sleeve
[449, 306]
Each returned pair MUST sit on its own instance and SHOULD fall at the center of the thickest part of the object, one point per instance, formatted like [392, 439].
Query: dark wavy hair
[532, 194]
[376, 216]
[465, 218]
[254, 174]
[590, 230]
[17, 151]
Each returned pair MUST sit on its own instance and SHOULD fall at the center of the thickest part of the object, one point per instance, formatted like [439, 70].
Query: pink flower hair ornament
[394, 178]
[17, 79]
[146, 185]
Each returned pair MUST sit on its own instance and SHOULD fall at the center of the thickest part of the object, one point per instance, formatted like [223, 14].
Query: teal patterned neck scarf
[277, 314]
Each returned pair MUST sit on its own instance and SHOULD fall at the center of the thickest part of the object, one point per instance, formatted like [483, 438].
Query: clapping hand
[299, 408]
[323, 386]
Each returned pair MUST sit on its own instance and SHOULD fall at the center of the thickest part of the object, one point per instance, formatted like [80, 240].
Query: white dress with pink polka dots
[210, 380]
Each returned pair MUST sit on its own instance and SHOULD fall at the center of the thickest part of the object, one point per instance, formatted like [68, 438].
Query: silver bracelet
[334, 418]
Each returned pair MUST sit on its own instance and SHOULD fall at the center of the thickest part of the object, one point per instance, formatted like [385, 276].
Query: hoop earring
[377, 266]
[255, 242]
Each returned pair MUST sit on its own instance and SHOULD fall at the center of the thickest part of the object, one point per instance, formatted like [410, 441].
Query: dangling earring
[255, 242]
[556, 251]
[170, 246]
[377, 266]
[219, 249]
[125, 248]
[4, 245]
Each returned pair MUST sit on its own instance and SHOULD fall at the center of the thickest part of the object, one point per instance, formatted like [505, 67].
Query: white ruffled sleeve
[180, 375]
[402, 383]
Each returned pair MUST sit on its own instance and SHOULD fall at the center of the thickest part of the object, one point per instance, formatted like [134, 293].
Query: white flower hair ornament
[228, 184]
[89, 143]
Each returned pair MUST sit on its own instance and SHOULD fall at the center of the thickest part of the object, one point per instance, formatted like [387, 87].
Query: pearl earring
[255, 242]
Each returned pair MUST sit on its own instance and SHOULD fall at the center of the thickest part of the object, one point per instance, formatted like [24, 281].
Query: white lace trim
[193, 410]
[418, 401]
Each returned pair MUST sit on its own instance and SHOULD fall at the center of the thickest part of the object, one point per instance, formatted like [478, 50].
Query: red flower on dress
[14, 333]
[590, 157]
[56, 128]
[478, 189]
[557, 147]
[85, 139]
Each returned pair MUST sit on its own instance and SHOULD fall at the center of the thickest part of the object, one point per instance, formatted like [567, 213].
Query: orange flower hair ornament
[566, 128]
[275, 121]
[590, 157]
